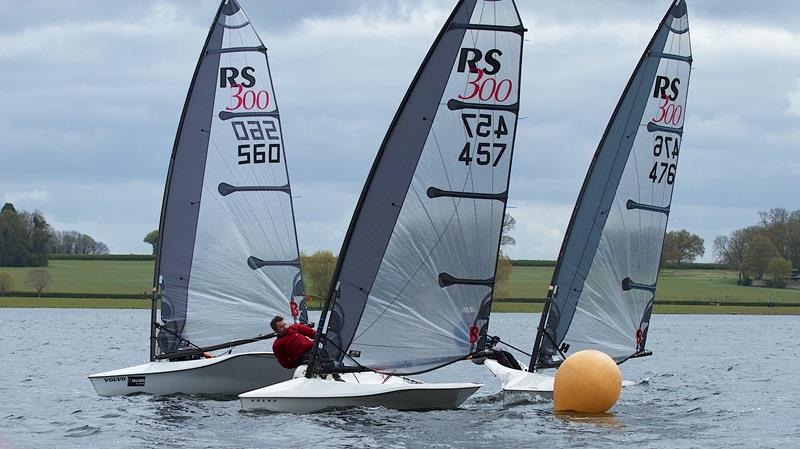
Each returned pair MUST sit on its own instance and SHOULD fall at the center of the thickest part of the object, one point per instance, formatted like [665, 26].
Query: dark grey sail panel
[432, 207]
[604, 281]
[181, 204]
[237, 265]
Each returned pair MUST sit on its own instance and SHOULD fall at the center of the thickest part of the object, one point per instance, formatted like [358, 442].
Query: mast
[625, 133]
[159, 247]
[436, 191]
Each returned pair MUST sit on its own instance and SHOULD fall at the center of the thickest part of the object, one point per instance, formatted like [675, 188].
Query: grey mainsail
[413, 284]
[228, 257]
[603, 287]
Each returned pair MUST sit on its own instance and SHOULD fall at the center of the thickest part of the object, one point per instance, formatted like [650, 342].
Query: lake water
[714, 381]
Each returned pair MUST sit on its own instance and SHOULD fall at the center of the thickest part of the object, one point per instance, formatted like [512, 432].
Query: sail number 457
[483, 150]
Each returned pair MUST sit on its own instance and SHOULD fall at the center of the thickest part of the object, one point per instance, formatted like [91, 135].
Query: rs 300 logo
[484, 65]
[240, 82]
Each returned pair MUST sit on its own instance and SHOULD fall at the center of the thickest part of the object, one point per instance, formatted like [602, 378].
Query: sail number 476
[667, 147]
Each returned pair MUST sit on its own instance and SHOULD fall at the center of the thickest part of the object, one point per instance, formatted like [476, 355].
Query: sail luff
[485, 313]
[590, 213]
[173, 157]
[399, 124]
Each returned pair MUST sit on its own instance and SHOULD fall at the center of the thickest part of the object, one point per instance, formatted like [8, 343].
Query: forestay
[605, 279]
[413, 287]
[228, 257]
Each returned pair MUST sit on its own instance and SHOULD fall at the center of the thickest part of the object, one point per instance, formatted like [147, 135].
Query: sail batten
[419, 259]
[222, 272]
[604, 282]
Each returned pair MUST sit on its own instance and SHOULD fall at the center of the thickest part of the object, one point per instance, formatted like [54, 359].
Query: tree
[318, 271]
[778, 270]
[39, 246]
[15, 235]
[731, 250]
[152, 239]
[505, 235]
[6, 284]
[503, 276]
[682, 247]
[39, 279]
[760, 252]
[504, 267]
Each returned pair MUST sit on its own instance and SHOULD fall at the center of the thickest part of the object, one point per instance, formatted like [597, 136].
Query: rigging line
[181, 338]
[509, 345]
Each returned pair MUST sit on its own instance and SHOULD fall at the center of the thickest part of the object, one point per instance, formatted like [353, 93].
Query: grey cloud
[103, 87]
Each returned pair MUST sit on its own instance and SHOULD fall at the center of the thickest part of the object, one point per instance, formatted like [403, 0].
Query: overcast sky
[92, 93]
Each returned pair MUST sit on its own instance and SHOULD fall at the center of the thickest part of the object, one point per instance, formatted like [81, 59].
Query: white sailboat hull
[303, 395]
[521, 381]
[226, 375]
[532, 385]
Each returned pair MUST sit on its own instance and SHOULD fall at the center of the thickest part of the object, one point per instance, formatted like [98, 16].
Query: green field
[74, 303]
[527, 284]
[521, 307]
[673, 285]
[92, 276]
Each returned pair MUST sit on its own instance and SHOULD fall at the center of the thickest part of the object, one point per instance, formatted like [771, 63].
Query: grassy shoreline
[498, 307]
[125, 284]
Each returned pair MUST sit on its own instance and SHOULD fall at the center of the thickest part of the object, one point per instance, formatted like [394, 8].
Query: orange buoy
[588, 381]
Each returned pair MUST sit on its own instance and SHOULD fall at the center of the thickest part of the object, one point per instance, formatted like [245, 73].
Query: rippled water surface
[714, 381]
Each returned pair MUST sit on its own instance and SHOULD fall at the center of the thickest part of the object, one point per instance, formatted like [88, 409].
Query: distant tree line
[74, 242]
[27, 240]
[765, 251]
[24, 238]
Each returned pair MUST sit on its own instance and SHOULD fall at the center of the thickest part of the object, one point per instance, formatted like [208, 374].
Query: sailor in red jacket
[293, 345]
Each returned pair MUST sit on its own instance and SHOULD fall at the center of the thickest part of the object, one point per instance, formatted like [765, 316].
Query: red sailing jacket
[294, 343]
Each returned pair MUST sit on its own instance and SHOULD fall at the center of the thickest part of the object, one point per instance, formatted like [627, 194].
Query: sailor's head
[278, 325]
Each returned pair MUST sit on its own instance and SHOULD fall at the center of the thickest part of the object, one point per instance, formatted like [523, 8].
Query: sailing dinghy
[413, 284]
[603, 288]
[227, 258]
